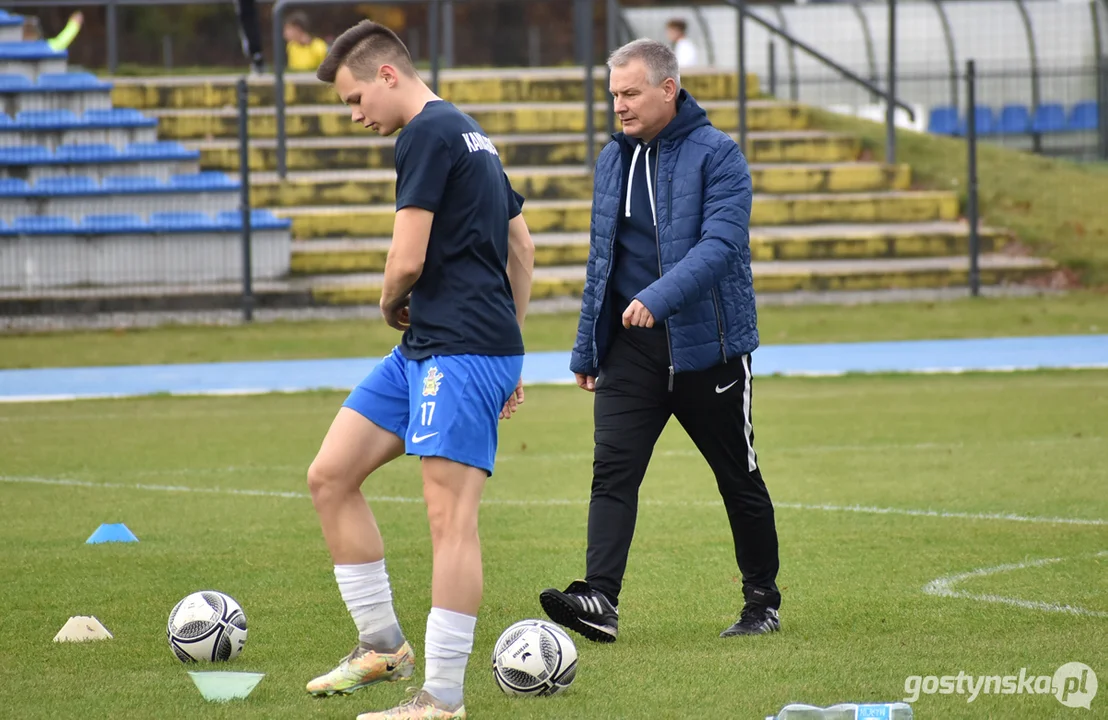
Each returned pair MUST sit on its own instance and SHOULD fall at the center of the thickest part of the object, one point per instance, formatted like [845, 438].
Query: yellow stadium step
[458, 86]
[574, 215]
[563, 183]
[812, 242]
[769, 277]
[496, 119]
[801, 146]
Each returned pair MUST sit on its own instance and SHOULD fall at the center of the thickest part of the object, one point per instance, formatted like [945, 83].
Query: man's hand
[398, 317]
[586, 382]
[514, 401]
[636, 315]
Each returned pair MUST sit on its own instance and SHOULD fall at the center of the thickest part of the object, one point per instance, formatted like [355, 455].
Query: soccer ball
[206, 626]
[534, 657]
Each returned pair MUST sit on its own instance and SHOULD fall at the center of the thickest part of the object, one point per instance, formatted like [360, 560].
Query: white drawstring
[631, 179]
[631, 182]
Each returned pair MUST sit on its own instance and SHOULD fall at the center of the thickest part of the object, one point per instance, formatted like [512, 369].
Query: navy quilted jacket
[705, 294]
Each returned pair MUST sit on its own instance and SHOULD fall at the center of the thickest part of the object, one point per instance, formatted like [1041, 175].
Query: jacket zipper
[607, 276]
[719, 325]
[658, 240]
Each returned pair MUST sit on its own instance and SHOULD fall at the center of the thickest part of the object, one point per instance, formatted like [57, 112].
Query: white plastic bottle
[846, 711]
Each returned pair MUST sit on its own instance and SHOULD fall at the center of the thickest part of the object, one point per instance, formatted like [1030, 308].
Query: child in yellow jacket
[32, 30]
[303, 51]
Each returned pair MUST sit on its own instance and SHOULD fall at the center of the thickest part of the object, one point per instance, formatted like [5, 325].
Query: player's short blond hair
[364, 48]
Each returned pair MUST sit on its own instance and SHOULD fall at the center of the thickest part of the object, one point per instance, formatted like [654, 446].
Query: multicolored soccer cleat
[422, 706]
[364, 667]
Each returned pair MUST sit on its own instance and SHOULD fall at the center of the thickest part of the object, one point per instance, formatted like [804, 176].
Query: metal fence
[102, 220]
[1045, 52]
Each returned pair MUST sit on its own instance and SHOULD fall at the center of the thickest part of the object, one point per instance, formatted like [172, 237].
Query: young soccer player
[457, 281]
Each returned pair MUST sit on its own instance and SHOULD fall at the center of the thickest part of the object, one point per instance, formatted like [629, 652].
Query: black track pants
[632, 406]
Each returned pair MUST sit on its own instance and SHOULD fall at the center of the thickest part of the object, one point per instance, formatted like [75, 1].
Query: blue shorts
[445, 406]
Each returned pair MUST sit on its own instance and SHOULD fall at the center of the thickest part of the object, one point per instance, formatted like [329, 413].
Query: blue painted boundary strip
[997, 355]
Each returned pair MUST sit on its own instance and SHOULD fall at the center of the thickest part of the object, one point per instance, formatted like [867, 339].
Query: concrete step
[333, 120]
[798, 146]
[574, 215]
[334, 187]
[769, 277]
[805, 242]
[499, 85]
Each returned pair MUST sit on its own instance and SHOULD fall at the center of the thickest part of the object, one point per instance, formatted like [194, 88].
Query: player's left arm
[521, 264]
[411, 232]
[521, 268]
[521, 252]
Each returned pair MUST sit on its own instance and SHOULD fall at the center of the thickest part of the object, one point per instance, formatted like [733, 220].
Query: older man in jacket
[667, 327]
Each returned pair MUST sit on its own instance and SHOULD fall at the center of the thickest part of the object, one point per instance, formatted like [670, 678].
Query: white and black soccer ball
[534, 657]
[206, 626]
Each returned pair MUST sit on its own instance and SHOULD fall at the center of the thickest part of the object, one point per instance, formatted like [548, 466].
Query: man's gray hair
[660, 61]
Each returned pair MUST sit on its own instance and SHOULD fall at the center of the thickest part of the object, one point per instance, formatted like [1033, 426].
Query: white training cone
[224, 686]
[82, 627]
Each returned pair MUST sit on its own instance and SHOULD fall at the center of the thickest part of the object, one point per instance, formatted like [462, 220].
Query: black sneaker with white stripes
[754, 620]
[583, 610]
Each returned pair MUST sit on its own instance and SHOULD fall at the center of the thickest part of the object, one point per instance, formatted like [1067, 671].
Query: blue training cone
[111, 532]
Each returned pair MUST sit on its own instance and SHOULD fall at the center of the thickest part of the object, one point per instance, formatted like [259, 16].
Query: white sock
[448, 645]
[366, 592]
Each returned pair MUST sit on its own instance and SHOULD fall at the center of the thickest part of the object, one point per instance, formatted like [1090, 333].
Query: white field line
[247, 391]
[516, 456]
[945, 587]
[557, 502]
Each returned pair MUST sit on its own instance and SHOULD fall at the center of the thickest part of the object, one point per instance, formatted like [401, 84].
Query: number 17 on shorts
[443, 406]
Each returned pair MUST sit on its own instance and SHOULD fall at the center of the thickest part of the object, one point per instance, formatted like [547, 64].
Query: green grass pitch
[1012, 465]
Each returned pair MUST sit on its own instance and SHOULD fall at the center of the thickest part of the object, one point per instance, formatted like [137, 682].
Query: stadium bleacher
[11, 27]
[1046, 119]
[90, 196]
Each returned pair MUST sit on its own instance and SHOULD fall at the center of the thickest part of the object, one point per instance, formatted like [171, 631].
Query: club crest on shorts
[431, 382]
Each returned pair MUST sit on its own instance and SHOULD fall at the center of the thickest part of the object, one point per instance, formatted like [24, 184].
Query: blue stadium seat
[183, 222]
[113, 223]
[36, 50]
[210, 180]
[66, 185]
[98, 152]
[25, 155]
[259, 220]
[47, 119]
[6, 121]
[43, 225]
[985, 121]
[118, 117]
[1085, 116]
[1049, 118]
[7, 18]
[14, 83]
[1014, 120]
[162, 150]
[71, 81]
[943, 121]
[13, 187]
[132, 183]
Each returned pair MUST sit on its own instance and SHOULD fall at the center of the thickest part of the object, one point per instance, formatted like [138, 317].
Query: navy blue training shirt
[462, 303]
